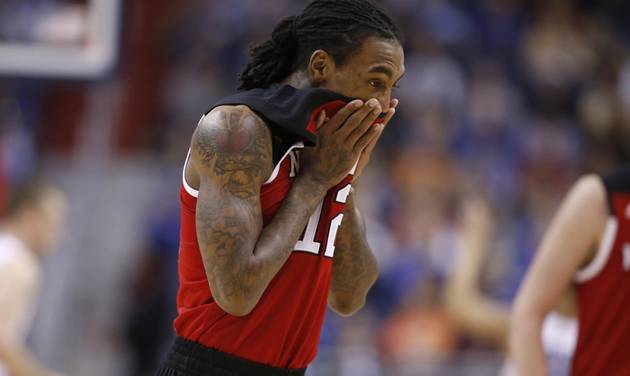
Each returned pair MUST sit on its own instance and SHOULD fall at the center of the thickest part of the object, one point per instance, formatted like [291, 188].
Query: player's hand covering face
[366, 153]
[340, 142]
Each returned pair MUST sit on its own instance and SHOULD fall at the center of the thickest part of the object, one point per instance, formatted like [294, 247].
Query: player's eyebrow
[382, 69]
[386, 70]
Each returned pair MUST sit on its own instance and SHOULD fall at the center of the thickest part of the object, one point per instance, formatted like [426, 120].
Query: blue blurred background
[512, 99]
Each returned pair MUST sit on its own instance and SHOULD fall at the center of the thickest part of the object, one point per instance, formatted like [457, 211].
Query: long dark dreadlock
[336, 26]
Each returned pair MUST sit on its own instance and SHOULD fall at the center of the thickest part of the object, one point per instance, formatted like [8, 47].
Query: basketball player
[270, 232]
[587, 245]
[34, 215]
[487, 319]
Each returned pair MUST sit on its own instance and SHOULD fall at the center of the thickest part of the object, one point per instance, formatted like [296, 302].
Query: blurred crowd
[509, 100]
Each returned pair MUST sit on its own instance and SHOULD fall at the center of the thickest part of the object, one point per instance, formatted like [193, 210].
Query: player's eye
[376, 84]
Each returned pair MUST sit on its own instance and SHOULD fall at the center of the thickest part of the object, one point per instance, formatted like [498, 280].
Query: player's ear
[320, 67]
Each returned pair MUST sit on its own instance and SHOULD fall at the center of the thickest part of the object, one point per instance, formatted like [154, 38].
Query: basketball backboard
[59, 38]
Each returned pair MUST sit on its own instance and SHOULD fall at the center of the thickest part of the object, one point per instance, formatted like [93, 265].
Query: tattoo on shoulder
[236, 146]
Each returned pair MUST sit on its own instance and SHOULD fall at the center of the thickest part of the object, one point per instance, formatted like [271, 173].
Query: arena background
[505, 100]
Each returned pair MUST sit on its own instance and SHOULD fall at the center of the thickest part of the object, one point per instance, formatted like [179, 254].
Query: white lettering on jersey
[628, 211]
[342, 195]
[295, 163]
[308, 242]
[626, 257]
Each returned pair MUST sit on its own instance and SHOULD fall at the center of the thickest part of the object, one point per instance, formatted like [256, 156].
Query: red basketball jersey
[283, 329]
[603, 292]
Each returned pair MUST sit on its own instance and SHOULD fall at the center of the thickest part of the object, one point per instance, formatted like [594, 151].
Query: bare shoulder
[589, 193]
[585, 208]
[584, 214]
[234, 145]
[230, 130]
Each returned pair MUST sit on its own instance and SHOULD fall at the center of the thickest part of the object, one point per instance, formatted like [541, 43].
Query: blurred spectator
[33, 220]
[558, 48]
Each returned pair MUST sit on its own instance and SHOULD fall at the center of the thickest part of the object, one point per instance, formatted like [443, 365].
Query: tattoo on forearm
[354, 265]
[222, 264]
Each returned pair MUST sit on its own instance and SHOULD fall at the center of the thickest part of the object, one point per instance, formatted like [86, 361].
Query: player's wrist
[313, 185]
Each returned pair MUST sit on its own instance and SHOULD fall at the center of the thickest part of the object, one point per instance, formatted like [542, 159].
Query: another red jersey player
[587, 246]
[270, 233]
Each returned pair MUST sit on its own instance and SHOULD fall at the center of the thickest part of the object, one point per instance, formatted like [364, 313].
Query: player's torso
[603, 291]
[283, 329]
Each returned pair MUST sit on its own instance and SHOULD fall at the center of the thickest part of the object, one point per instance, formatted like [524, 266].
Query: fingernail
[372, 103]
[358, 103]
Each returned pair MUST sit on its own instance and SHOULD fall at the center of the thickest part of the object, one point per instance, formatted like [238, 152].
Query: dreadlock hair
[338, 27]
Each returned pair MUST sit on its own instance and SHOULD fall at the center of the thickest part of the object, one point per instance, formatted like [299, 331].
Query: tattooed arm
[231, 153]
[354, 267]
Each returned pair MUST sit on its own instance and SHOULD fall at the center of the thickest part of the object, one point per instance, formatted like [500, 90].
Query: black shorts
[192, 359]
